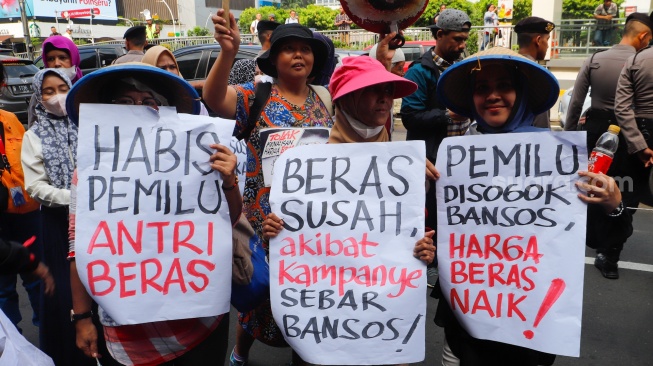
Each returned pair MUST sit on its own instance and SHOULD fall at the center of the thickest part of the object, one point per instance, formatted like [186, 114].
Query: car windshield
[19, 69]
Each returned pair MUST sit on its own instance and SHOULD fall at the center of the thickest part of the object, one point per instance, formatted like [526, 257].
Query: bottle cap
[614, 129]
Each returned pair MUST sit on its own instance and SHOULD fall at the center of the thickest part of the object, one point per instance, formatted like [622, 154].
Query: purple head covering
[64, 44]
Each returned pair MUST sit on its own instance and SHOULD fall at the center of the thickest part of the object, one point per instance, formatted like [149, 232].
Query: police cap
[642, 18]
[534, 25]
[134, 32]
[266, 25]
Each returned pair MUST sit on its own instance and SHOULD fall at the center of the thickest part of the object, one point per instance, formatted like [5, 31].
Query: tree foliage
[318, 17]
[582, 9]
[198, 32]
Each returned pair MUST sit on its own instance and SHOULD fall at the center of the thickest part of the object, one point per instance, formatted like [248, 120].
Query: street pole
[174, 29]
[28, 39]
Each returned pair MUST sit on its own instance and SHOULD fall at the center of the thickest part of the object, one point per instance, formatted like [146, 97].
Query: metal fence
[571, 38]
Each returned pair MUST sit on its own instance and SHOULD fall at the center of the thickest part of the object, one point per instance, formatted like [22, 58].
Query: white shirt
[68, 35]
[292, 20]
[253, 27]
[37, 183]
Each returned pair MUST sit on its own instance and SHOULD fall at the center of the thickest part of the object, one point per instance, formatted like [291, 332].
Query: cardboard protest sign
[239, 147]
[511, 237]
[277, 140]
[153, 235]
[342, 273]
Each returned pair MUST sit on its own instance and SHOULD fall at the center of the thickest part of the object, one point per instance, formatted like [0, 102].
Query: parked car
[563, 106]
[196, 61]
[7, 52]
[17, 91]
[93, 57]
[342, 53]
[413, 50]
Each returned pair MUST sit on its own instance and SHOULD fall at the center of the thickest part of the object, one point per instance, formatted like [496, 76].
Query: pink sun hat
[363, 71]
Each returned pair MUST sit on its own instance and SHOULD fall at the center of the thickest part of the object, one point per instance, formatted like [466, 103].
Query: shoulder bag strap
[262, 93]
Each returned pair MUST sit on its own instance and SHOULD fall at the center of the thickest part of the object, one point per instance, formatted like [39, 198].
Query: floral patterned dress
[279, 112]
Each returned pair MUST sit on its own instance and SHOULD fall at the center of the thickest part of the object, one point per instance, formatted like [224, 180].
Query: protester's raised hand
[272, 226]
[383, 52]
[224, 161]
[228, 38]
[86, 338]
[425, 248]
[599, 189]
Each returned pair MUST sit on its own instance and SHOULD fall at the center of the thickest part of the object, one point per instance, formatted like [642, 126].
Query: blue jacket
[421, 112]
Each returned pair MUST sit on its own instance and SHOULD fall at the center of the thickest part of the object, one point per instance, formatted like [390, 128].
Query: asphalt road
[617, 314]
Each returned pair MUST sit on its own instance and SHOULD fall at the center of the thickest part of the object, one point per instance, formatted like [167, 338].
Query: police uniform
[536, 25]
[132, 55]
[633, 110]
[600, 72]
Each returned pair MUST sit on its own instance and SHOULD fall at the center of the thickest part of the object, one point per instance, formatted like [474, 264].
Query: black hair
[138, 41]
[263, 36]
[487, 8]
[3, 75]
[524, 39]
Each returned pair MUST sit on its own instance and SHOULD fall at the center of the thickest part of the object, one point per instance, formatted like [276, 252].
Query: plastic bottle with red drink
[603, 153]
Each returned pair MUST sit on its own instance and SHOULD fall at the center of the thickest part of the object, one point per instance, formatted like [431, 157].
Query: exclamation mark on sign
[555, 290]
[410, 331]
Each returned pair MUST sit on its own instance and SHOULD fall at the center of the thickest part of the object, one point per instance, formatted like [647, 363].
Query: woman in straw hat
[295, 56]
[363, 91]
[503, 92]
[193, 341]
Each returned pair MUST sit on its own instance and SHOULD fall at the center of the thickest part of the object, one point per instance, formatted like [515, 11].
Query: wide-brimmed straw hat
[288, 31]
[363, 71]
[455, 89]
[91, 88]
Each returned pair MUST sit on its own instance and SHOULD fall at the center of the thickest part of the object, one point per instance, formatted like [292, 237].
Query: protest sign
[239, 147]
[153, 235]
[344, 285]
[511, 237]
[277, 140]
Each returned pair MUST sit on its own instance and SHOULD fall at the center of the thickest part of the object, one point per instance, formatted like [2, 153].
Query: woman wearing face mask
[48, 158]
[58, 53]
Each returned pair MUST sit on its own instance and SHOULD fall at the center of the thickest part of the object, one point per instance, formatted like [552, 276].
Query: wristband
[75, 317]
[617, 211]
[232, 187]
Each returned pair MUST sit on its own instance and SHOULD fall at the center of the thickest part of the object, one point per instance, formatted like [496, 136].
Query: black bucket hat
[296, 31]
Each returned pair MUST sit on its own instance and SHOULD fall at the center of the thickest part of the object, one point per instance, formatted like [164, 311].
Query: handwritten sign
[511, 237]
[239, 147]
[342, 273]
[153, 235]
[277, 140]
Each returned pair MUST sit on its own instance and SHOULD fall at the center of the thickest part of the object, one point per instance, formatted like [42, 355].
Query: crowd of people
[294, 82]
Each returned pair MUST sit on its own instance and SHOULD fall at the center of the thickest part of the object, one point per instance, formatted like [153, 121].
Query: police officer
[628, 99]
[533, 35]
[601, 72]
[135, 41]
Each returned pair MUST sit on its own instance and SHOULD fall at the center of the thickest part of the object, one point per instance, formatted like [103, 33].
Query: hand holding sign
[508, 214]
[343, 273]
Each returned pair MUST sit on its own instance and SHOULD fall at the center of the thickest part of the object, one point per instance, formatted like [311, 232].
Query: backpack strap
[262, 93]
[325, 97]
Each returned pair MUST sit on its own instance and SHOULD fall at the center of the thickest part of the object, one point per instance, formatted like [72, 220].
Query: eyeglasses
[150, 102]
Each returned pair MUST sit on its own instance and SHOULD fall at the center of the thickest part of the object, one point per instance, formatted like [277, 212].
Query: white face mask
[56, 105]
[71, 72]
[362, 129]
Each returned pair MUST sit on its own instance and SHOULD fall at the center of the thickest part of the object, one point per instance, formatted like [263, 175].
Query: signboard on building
[505, 9]
[55, 8]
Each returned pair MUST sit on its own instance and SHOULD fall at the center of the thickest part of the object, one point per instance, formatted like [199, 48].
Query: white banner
[344, 285]
[511, 237]
[47, 8]
[153, 235]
